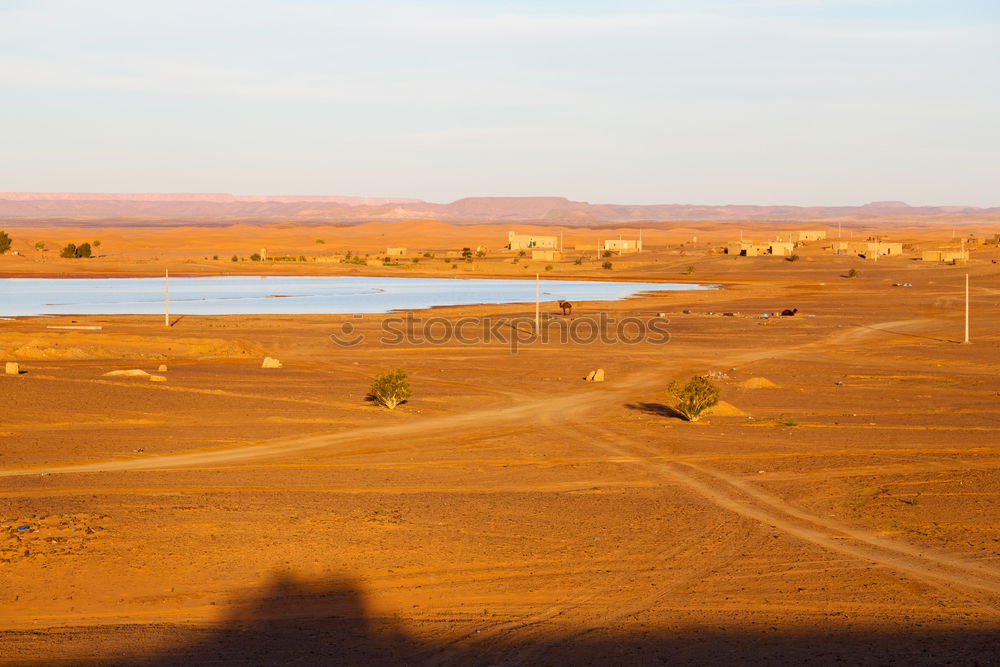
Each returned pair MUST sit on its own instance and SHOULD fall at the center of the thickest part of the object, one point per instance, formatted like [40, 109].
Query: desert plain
[840, 505]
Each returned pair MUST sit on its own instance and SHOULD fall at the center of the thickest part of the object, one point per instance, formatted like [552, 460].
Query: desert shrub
[83, 250]
[517, 260]
[521, 253]
[467, 253]
[234, 258]
[5, 242]
[853, 273]
[428, 254]
[96, 244]
[689, 270]
[40, 246]
[390, 389]
[548, 267]
[454, 266]
[416, 260]
[215, 257]
[302, 258]
[579, 261]
[607, 265]
[255, 257]
[698, 395]
[320, 241]
[792, 258]
[606, 253]
[480, 253]
[68, 251]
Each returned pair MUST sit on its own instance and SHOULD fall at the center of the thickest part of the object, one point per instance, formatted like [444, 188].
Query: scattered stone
[590, 376]
[12, 368]
[687, 311]
[716, 375]
[270, 362]
[130, 373]
[596, 376]
[157, 378]
[162, 368]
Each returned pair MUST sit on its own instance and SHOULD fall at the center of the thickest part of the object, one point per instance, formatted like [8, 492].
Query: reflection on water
[289, 295]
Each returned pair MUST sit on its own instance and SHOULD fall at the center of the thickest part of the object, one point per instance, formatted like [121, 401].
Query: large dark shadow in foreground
[301, 623]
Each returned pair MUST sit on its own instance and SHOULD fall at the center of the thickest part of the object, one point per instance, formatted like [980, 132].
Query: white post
[838, 229]
[166, 297]
[560, 240]
[538, 294]
[640, 239]
[966, 308]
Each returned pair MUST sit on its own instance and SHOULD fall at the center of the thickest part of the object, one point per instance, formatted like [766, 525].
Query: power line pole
[166, 297]
[966, 308]
[538, 294]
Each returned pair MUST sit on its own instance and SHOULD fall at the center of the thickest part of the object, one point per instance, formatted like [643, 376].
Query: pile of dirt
[724, 409]
[758, 383]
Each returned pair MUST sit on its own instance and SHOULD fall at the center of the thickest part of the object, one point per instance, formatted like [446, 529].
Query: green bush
[548, 267]
[689, 270]
[467, 253]
[68, 251]
[234, 258]
[698, 395]
[40, 246]
[390, 389]
[606, 253]
[5, 242]
[255, 257]
[853, 273]
[83, 250]
[320, 241]
[579, 261]
[792, 258]
[607, 265]
[521, 253]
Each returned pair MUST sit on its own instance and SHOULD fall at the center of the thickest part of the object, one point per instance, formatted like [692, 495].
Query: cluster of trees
[73, 250]
[4, 242]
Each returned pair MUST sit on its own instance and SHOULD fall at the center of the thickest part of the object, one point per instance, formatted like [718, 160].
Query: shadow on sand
[658, 409]
[308, 623]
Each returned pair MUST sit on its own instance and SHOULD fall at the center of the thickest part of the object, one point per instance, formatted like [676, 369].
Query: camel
[789, 313]
[566, 306]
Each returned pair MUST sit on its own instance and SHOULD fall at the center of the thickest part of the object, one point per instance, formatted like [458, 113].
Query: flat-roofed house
[395, 252]
[622, 246]
[517, 241]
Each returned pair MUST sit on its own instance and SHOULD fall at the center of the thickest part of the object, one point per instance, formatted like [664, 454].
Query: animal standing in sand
[788, 313]
[567, 307]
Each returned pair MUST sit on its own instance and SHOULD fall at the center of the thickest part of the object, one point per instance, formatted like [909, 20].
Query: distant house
[395, 252]
[748, 248]
[782, 248]
[947, 255]
[802, 235]
[547, 255]
[517, 241]
[868, 248]
[622, 246]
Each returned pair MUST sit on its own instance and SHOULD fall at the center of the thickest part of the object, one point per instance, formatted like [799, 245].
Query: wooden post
[966, 340]
[166, 297]
[538, 295]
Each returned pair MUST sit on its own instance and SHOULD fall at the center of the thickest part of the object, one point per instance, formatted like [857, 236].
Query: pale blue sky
[710, 101]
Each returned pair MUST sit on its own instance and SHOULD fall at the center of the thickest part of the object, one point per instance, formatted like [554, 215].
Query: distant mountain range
[159, 208]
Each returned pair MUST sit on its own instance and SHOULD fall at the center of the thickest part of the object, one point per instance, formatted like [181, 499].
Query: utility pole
[166, 297]
[538, 294]
[966, 308]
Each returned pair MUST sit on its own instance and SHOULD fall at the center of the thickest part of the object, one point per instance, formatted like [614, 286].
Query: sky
[807, 102]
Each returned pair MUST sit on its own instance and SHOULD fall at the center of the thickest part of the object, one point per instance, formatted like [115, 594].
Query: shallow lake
[291, 295]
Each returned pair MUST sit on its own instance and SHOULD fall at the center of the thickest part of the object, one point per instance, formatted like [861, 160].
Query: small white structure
[395, 252]
[622, 246]
[517, 241]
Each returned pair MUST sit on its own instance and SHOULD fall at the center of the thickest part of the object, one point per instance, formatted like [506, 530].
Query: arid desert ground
[841, 505]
